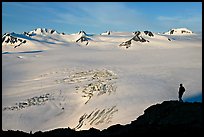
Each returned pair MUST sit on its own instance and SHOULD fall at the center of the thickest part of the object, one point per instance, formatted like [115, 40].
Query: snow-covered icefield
[55, 84]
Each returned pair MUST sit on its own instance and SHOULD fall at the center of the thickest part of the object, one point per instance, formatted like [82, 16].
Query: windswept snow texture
[57, 80]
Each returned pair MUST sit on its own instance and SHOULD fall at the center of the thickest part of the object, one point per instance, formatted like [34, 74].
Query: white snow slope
[52, 81]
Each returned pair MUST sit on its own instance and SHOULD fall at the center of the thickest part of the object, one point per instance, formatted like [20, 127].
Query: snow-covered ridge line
[40, 31]
[9, 38]
[179, 31]
[41, 38]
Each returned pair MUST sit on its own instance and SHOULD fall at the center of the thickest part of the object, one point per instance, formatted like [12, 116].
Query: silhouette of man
[181, 91]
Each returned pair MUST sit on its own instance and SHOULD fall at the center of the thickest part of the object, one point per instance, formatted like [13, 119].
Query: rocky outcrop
[27, 34]
[179, 31]
[137, 33]
[172, 113]
[9, 39]
[82, 32]
[146, 32]
[170, 118]
[41, 31]
[106, 33]
[83, 39]
[138, 38]
[149, 33]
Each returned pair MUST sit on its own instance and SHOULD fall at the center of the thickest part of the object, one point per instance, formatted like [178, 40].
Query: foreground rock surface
[170, 118]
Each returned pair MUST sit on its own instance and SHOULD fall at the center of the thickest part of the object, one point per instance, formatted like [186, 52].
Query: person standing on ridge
[181, 91]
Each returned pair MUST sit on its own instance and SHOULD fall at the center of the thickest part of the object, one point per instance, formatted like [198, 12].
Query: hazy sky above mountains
[97, 17]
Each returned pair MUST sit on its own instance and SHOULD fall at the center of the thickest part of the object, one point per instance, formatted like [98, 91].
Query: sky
[98, 17]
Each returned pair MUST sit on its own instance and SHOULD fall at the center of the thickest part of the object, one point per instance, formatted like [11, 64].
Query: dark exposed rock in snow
[106, 33]
[137, 33]
[40, 31]
[82, 32]
[127, 44]
[52, 31]
[172, 32]
[179, 31]
[26, 33]
[4, 37]
[149, 33]
[137, 38]
[29, 34]
[83, 39]
[8, 39]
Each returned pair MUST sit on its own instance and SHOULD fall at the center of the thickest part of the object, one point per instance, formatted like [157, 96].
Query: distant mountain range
[51, 36]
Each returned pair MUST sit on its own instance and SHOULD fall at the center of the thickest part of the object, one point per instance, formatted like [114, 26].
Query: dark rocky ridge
[137, 37]
[183, 31]
[170, 118]
[83, 39]
[41, 31]
[16, 40]
[137, 33]
[9, 39]
[82, 32]
[179, 31]
[149, 33]
[27, 34]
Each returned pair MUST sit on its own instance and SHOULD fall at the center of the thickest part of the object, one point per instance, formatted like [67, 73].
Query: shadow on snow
[35, 51]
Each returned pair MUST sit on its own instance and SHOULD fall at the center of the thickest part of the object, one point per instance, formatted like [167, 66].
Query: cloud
[93, 15]
[98, 16]
[109, 15]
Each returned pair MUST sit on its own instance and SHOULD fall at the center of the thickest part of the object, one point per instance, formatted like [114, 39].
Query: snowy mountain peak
[146, 32]
[137, 33]
[137, 38]
[5, 34]
[11, 39]
[149, 33]
[82, 32]
[179, 31]
[106, 33]
[41, 31]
